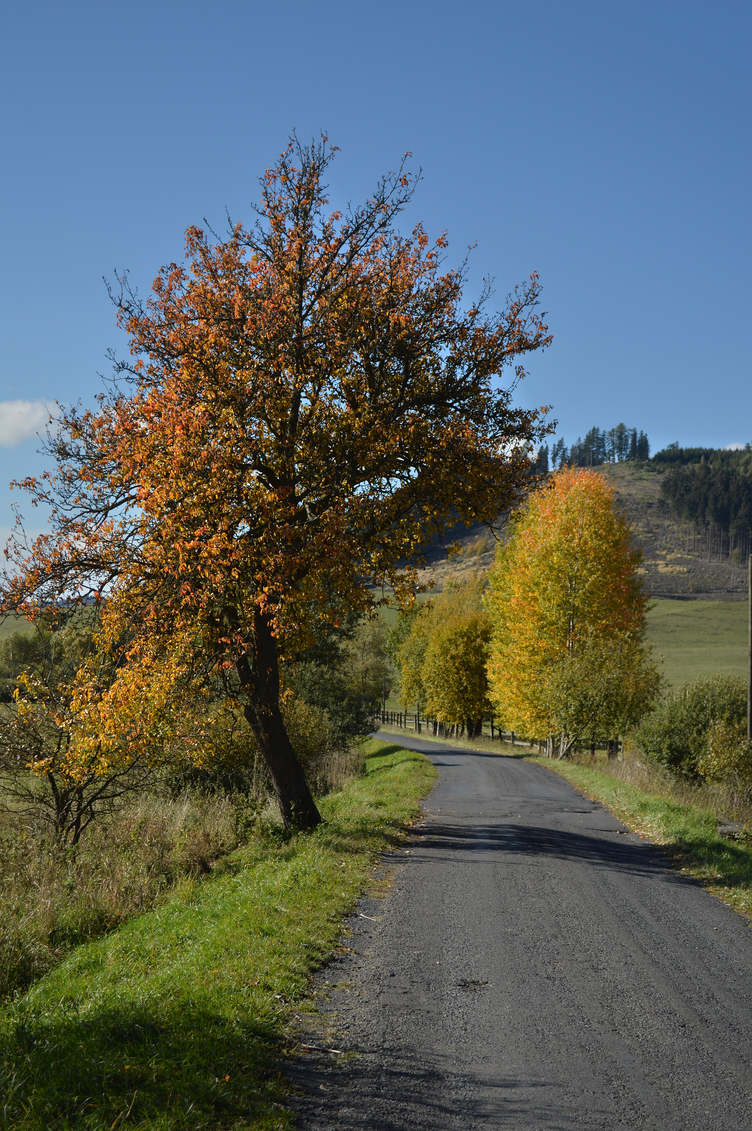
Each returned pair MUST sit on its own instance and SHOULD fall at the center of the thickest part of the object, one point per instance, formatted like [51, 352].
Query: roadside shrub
[349, 710]
[677, 734]
[231, 764]
[729, 757]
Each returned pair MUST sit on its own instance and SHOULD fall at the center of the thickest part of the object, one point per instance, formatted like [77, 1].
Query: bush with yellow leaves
[728, 757]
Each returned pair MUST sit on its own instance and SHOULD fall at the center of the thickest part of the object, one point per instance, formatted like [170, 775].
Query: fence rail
[424, 724]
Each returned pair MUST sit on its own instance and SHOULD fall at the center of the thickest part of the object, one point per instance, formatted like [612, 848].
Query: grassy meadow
[700, 638]
[11, 624]
[179, 1017]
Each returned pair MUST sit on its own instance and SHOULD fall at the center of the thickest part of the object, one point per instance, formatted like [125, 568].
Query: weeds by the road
[54, 898]
[177, 1019]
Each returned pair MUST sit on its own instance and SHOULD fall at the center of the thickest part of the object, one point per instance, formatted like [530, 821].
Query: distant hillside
[678, 562]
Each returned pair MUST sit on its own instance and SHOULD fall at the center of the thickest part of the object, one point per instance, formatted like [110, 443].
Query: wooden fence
[424, 724]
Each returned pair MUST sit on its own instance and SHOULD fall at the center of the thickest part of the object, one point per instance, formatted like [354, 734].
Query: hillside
[676, 563]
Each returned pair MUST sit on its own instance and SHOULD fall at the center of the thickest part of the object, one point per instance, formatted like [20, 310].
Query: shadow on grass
[391, 766]
[177, 1066]
[728, 863]
[388, 750]
[359, 835]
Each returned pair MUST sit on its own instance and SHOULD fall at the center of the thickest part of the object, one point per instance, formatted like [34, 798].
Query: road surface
[534, 966]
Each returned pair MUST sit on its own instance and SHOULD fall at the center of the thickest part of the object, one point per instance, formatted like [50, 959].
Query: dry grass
[52, 899]
[725, 802]
[334, 769]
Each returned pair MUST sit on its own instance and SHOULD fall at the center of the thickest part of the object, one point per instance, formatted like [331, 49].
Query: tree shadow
[430, 746]
[181, 1066]
[728, 862]
[396, 1089]
[514, 839]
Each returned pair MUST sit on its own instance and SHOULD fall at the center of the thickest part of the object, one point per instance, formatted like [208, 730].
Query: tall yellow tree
[308, 400]
[568, 654]
[443, 658]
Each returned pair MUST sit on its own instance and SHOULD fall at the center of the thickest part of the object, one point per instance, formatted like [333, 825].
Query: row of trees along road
[556, 646]
[306, 403]
[568, 658]
[440, 649]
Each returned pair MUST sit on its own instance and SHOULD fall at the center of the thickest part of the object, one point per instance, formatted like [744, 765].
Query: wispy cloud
[735, 447]
[21, 419]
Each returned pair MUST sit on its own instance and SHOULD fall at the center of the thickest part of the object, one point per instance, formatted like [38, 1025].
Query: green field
[179, 1017]
[698, 638]
[13, 624]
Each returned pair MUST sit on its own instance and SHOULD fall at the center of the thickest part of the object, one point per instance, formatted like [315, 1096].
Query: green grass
[13, 623]
[699, 638]
[686, 831]
[179, 1018]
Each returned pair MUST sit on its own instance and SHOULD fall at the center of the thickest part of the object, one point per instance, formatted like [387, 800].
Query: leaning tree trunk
[565, 745]
[259, 677]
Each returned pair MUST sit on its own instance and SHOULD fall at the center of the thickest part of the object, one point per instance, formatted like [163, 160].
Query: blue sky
[606, 146]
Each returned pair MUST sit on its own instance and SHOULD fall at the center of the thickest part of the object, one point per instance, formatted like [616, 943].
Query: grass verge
[687, 832]
[177, 1020]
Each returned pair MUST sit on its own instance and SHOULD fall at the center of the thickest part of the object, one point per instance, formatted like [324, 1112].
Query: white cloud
[21, 419]
[734, 447]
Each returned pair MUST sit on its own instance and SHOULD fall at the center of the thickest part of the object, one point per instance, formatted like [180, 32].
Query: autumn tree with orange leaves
[307, 402]
[568, 657]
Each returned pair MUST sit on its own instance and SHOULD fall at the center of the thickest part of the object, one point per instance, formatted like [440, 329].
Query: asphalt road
[534, 965]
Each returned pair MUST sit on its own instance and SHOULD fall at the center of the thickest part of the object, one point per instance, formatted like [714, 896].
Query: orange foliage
[306, 401]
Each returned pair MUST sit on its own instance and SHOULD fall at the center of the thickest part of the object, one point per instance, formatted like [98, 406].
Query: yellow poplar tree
[443, 659]
[566, 598]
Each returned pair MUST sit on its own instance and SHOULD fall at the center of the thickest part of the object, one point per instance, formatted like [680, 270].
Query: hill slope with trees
[682, 557]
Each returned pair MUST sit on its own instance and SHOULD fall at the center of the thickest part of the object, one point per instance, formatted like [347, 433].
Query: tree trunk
[260, 681]
[565, 745]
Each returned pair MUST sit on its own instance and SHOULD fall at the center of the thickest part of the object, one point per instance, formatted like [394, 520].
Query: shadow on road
[534, 840]
[391, 1091]
[431, 746]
